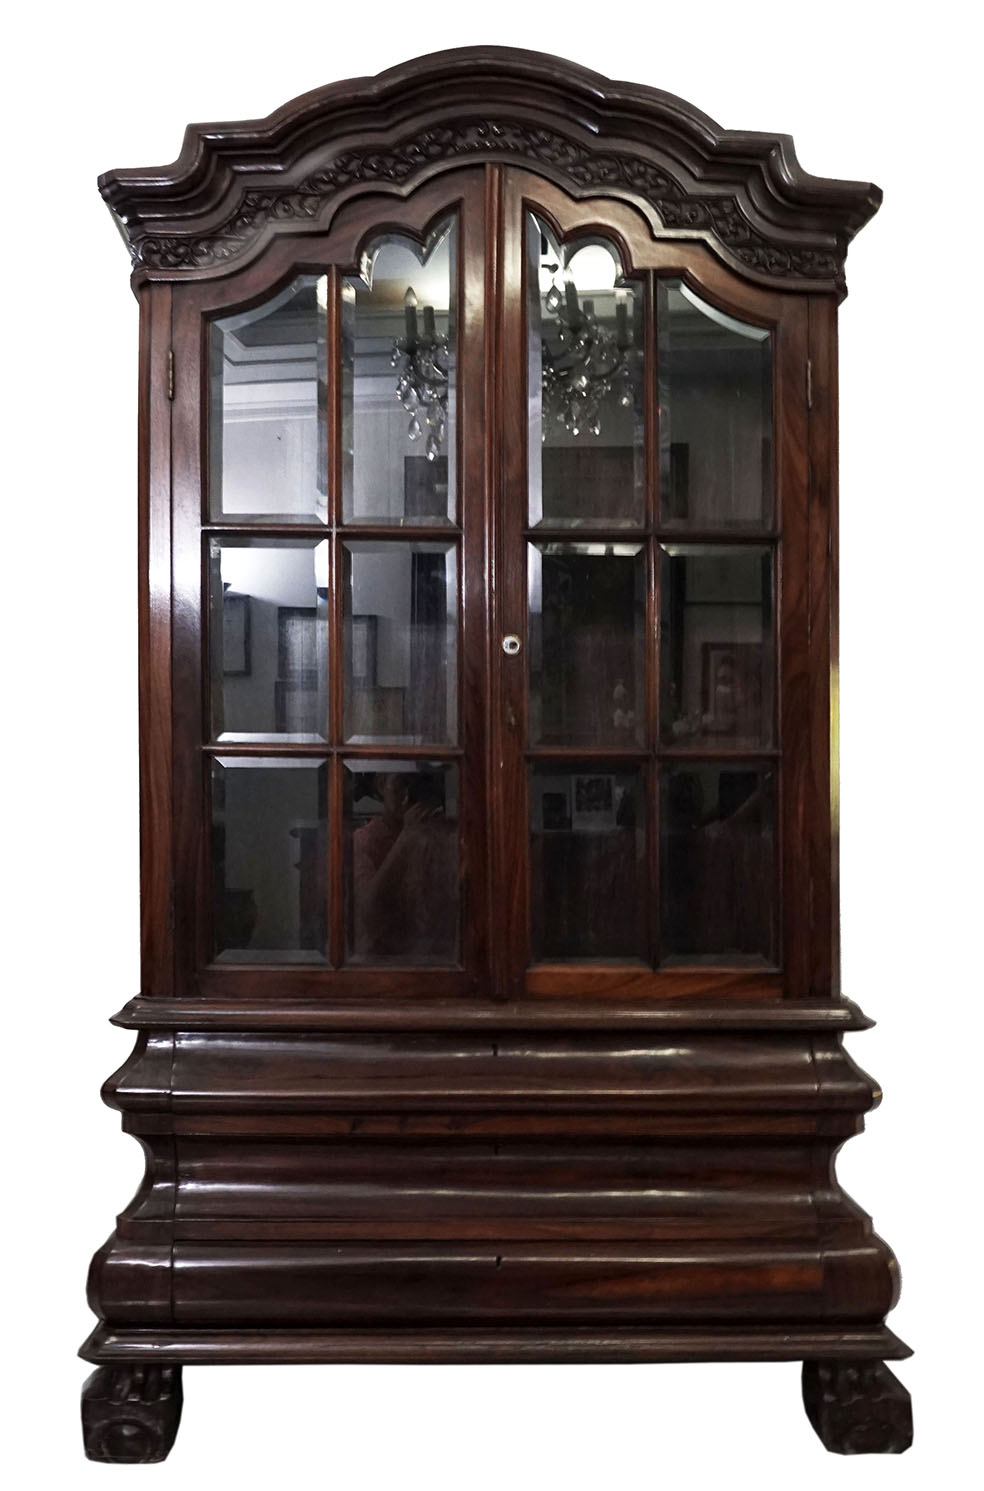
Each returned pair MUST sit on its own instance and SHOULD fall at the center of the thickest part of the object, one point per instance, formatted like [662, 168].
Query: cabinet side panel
[824, 747]
[154, 630]
[794, 620]
[188, 434]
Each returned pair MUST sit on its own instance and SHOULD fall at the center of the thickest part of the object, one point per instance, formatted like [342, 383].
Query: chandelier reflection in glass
[422, 385]
[593, 361]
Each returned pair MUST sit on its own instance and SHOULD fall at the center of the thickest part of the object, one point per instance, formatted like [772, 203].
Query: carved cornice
[745, 195]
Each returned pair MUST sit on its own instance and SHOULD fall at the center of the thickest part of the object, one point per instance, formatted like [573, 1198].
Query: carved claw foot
[130, 1414]
[857, 1408]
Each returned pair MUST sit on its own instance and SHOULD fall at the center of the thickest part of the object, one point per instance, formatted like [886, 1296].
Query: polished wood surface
[745, 192]
[498, 1160]
[503, 1345]
[130, 1414]
[857, 1408]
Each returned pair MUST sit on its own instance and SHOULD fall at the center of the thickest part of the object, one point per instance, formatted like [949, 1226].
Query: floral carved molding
[715, 215]
[745, 195]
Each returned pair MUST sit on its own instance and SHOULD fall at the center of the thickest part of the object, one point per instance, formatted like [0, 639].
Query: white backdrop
[868, 94]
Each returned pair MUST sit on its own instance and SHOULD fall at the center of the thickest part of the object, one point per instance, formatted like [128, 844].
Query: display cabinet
[490, 1006]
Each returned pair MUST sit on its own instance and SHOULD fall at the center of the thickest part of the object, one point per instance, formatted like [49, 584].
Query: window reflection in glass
[717, 655]
[269, 860]
[715, 379]
[587, 653]
[269, 639]
[268, 431]
[402, 862]
[399, 379]
[587, 865]
[401, 678]
[585, 376]
[717, 864]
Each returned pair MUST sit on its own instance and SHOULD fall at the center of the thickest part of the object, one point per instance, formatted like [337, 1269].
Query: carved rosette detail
[715, 215]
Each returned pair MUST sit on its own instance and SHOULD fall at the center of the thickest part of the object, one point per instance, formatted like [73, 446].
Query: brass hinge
[809, 383]
[170, 372]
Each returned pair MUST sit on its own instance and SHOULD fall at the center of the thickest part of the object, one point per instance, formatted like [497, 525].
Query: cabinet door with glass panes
[336, 520]
[485, 696]
[656, 425]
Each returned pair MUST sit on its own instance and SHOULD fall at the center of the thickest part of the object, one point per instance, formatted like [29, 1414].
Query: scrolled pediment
[743, 194]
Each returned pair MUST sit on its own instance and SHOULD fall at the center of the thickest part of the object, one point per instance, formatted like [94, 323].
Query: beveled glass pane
[269, 860]
[587, 862]
[268, 458]
[718, 864]
[585, 380]
[587, 647]
[399, 376]
[402, 863]
[717, 652]
[715, 381]
[269, 638]
[401, 642]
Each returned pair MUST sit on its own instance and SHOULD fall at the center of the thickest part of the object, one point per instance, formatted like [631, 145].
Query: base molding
[493, 1195]
[491, 1345]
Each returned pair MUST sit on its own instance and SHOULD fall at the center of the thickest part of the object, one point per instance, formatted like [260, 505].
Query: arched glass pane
[399, 376]
[585, 381]
[268, 455]
[715, 383]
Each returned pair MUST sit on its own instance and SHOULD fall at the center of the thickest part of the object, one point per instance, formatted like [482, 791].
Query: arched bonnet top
[234, 185]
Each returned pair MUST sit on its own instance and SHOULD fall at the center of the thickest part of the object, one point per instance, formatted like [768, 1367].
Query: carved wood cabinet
[490, 1005]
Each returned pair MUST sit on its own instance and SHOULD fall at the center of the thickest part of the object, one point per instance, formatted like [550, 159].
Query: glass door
[497, 604]
[640, 729]
[343, 515]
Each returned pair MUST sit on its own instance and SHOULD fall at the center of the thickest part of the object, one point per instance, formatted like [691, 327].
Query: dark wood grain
[234, 184]
[822, 780]
[736, 1012]
[130, 1414]
[857, 1407]
[154, 638]
[503, 1160]
[501, 1345]
[795, 805]
[189, 619]
[475, 504]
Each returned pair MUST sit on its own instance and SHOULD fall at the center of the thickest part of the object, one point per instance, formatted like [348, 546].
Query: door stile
[335, 908]
[651, 776]
[476, 415]
[510, 605]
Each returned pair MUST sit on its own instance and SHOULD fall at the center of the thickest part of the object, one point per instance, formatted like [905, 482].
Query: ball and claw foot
[130, 1414]
[857, 1408]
